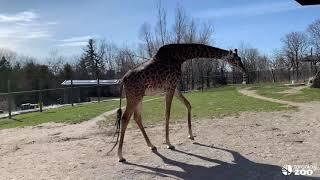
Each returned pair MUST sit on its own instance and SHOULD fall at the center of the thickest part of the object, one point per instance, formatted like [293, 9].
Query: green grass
[218, 102]
[276, 91]
[68, 114]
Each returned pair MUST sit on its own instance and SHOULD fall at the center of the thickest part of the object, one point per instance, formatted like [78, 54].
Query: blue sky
[36, 27]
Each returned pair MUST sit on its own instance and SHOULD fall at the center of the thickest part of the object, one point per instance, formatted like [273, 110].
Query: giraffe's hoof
[122, 160]
[191, 137]
[153, 148]
[170, 147]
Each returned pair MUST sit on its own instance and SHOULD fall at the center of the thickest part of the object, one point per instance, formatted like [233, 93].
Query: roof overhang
[90, 82]
[308, 2]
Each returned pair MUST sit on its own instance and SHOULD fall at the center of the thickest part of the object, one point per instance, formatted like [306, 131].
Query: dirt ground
[248, 146]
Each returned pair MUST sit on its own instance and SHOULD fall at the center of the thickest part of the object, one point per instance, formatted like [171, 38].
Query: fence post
[9, 99]
[99, 91]
[244, 78]
[40, 99]
[202, 82]
[71, 92]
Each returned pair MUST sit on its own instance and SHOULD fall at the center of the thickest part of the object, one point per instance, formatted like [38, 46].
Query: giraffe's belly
[154, 91]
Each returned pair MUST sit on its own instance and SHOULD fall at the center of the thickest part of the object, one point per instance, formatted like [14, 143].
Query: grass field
[213, 103]
[278, 91]
[68, 114]
[216, 102]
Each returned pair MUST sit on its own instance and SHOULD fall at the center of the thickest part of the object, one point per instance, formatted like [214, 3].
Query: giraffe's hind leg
[181, 98]
[138, 119]
[124, 123]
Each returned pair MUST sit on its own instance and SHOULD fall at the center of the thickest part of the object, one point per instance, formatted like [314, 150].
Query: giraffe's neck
[184, 52]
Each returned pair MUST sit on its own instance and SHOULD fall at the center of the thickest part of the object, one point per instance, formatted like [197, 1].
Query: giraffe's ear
[236, 51]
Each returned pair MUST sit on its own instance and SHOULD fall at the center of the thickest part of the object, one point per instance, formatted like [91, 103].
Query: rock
[316, 81]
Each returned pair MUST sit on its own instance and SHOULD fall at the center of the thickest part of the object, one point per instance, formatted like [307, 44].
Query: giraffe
[161, 74]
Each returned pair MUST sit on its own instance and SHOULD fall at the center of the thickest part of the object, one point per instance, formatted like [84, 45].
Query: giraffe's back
[151, 78]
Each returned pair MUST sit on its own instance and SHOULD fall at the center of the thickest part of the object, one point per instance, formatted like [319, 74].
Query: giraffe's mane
[174, 50]
[185, 45]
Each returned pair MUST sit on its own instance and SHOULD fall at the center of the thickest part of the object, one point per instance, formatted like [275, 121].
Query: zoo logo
[287, 169]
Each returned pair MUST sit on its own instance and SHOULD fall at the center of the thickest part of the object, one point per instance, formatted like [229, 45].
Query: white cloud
[25, 16]
[77, 38]
[69, 44]
[36, 35]
[76, 41]
[24, 30]
[248, 10]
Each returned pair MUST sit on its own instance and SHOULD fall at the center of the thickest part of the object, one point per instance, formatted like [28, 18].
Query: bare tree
[161, 27]
[147, 39]
[205, 33]
[191, 32]
[180, 24]
[55, 61]
[294, 46]
[185, 30]
[314, 32]
[124, 61]
[111, 52]
[9, 55]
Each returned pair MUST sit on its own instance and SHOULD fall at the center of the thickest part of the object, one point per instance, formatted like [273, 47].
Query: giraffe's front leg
[169, 96]
[138, 119]
[181, 98]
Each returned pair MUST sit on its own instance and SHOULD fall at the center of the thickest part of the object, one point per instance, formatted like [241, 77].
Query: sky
[38, 27]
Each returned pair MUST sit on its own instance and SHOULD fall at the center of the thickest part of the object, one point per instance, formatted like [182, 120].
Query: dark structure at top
[308, 2]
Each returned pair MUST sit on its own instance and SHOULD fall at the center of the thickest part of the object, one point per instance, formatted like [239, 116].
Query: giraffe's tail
[118, 121]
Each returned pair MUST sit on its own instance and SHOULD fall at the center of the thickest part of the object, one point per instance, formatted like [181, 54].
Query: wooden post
[192, 75]
[99, 91]
[71, 92]
[202, 82]
[9, 99]
[244, 78]
[40, 99]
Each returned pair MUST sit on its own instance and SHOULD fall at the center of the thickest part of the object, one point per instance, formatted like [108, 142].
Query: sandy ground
[248, 146]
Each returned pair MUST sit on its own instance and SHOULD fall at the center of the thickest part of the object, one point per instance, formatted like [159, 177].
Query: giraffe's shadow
[241, 168]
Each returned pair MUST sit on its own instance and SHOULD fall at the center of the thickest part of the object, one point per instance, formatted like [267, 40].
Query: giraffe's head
[235, 60]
